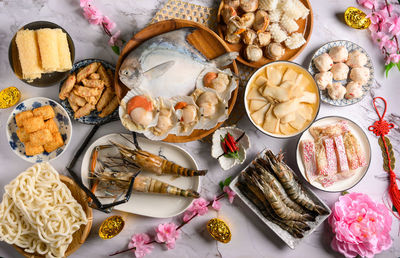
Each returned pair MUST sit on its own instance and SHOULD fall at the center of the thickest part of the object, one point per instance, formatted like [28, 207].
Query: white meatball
[323, 79]
[340, 71]
[356, 59]
[336, 90]
[360, 74]
[339, 54]
[323, 62]
[354, 90]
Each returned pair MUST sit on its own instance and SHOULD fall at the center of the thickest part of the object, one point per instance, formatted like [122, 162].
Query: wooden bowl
[79, 236]
[203, 39]
[305, 26]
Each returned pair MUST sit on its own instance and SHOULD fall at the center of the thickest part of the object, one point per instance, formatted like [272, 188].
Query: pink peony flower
[367, 3]
[167, 233]
[216, 205]
[139, 242]
[108, 24]
[199, 206]
[92, 14]
[231, 194]
[394, 28]
[361, 226]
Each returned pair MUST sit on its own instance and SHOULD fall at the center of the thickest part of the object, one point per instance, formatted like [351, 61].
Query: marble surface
[251, 238]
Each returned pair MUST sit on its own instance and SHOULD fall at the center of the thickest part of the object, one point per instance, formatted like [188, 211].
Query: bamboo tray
[79, 236]
[203, 39]
[305, 26]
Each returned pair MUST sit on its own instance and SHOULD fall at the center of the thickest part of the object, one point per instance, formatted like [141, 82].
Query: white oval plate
[350, 46]
[152, 205]
[362, 138]
[61, 118]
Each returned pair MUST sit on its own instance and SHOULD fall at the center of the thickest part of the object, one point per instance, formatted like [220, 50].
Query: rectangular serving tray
[291, 241]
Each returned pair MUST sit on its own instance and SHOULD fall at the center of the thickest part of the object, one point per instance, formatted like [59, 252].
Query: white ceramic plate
[152, 205]
[345, 184]
[350, 46]
[62, 120]
[291, 241]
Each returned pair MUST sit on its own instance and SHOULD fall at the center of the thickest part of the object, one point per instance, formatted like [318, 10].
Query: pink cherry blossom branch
[219, 197]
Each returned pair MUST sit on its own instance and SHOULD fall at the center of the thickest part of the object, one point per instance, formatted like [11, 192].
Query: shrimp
[253, 195]
[286, 176]
[154, 163]
[273, 199]
[277, 187]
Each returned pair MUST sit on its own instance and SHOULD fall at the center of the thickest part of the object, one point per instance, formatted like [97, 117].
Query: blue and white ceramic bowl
[93, 118]
[350, 46]
[62, 119]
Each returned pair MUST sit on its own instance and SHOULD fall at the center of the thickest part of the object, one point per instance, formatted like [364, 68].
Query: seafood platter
[343, 71]
[164, 103]
[263, 31]
[282, 99]
[271, 189]
[167, 184]
[333, 154]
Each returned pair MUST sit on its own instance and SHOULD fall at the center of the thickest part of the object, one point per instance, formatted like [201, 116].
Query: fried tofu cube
[51, 125]
[22, 135]
[47, 112]
[33, 124]
[56, 143]
[40, 137]
[31, 150]
[21, 117]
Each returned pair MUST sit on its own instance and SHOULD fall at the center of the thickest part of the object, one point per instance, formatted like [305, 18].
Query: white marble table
[251, 238]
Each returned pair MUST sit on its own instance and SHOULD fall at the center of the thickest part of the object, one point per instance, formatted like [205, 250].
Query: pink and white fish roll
[343, 165]
[350, 151]
[322, 162]
[362, 162]
[308, 155]
[331, 156]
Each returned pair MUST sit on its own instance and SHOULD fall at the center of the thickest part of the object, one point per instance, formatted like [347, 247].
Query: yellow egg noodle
[39, 213]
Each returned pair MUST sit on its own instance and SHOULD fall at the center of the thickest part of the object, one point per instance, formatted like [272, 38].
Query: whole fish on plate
[168, 65]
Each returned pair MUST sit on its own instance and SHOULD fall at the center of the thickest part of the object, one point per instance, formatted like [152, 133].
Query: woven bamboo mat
[176, 9]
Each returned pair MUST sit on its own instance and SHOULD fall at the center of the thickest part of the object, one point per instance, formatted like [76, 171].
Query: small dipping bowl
[261, 70]
[47, 79]
[111, 227]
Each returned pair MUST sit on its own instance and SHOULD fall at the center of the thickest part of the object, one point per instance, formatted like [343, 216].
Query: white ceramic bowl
[62, 119]
[250, 81]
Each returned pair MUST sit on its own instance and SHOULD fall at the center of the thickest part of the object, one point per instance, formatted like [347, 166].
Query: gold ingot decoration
[111, 227]
[356, 18]
[219, 230]
[9, 97]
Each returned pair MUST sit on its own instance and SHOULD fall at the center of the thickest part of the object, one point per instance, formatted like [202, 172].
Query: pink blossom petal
[367, 3]
[139, 242]
[167, 233]
[92, 14]
[113, 41]
[231, 194]
[109, 24]
[84, 3]
[216, 205]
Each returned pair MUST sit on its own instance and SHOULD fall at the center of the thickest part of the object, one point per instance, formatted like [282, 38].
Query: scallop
[249, 36]
[233, 38]
[227, 13]
[248, 19]
[249, 5]
[261, 21]
[274, 51]
[253, 53]
[263, 39]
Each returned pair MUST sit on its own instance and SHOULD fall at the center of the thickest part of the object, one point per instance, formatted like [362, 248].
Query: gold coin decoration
[9, 97]
[111, 227]
[356, 18]
[219, 230]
